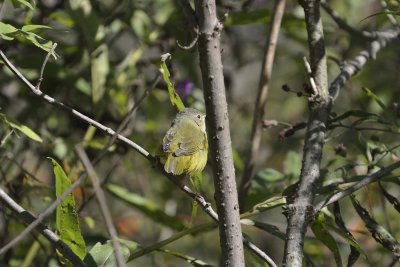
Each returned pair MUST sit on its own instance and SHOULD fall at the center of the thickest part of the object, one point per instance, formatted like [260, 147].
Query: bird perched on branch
[185, 145]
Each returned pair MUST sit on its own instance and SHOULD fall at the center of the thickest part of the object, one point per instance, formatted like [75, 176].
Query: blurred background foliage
[108, 56]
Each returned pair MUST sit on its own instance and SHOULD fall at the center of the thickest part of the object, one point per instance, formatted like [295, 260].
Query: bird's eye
[199, 116]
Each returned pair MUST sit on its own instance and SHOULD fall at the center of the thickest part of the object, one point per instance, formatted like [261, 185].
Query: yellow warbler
[185, 144]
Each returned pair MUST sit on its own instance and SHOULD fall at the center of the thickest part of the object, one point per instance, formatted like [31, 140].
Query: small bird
[185, 145]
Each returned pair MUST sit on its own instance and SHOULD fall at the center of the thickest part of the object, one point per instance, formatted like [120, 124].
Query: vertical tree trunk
[219, 133]
[300, 211]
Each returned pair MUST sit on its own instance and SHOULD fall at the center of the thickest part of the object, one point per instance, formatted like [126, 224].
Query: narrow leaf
[270, 204]
[322, 234]
[374, 97]
[34, 27]
[20, 127]
[390, 198]
[379, 233]
[270, 228]
[146, 206]
[102, 255]
[173, 95]
[67, 221]
[24, 3]
[355, 250]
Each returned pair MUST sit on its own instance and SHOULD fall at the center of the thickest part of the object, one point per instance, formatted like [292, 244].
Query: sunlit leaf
[21, 128]
[32, 27]
[67, 221]
[7, 31]
[173, 95]
[38, 41]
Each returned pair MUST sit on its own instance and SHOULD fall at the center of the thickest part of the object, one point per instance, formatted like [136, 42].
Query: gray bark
[219, 134]
[300, 211]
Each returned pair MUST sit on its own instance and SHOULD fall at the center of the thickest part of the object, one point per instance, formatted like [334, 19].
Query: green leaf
[102, 255]
[38, 41]
[146, 206]
[355, 249]
[374, 97]
[268, 204]
[390, 198]
[20, 127]
[270, 228]
[67, 221]
[379, 233]
[191, 260]
[7, 31]
[33, 27]
[99, 70]
[173, 96]
[318, 228]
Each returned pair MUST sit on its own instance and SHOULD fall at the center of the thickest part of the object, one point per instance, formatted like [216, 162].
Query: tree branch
[365, 35]
[226, 198]
[300, 211]
[28, 218]
[366, 180]
[352, 67]
[265, 77]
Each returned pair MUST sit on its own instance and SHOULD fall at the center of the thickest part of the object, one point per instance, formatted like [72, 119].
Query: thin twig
[192, 25]
[367, 180]
[352, 67]
[263, 86]
[28, 218]
[345, 26]
[390, 17]
[153, 161]
[101, 198]
[51, 52]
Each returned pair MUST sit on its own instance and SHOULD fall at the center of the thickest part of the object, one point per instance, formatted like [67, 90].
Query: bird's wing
[184, 138]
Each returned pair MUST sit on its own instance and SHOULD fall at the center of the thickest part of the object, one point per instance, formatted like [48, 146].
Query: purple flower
[184, 88]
